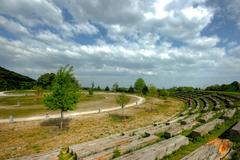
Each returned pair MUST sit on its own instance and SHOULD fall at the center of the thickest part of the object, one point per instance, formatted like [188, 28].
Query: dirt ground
[26, 138]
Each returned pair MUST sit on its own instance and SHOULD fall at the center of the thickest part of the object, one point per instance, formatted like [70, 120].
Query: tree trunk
[61, 123]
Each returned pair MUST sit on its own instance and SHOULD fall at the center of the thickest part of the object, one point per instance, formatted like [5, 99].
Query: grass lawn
[31, 105]
[20, 92]
[26, 138]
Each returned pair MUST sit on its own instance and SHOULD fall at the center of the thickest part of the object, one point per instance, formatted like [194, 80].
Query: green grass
[233, 93]
[5, 113]
[199, 141]
[119, 118]
[64, 155]
[31, 105]
[20, 91]
[210, 104]
[201, 105]
[33, 100]
[23, 100]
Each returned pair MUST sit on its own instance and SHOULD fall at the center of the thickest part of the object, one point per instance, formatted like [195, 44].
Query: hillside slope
[12, 80]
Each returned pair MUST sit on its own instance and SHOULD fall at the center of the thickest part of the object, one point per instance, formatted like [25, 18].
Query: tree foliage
[130, 89]
[233, 87]
[140, 85]
[107, 89]
[163, 93]
[11, 80]
[153, 92]
[122, 100]
[115, 87]
[65, 91]
[45, 80]
[145, 90]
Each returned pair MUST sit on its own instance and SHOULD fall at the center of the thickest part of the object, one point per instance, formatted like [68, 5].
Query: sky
[166, 42]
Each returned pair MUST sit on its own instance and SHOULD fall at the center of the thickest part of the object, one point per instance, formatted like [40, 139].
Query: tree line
[232, 87]
[139, 87]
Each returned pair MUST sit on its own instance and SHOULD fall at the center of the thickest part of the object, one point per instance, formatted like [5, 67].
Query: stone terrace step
[207, 116]
[179, 129]
[229, 113]
[235, 131]
[215, 102]
[158, 150]
[206, 128]
[205, 102]
[190, 119]
[136, 144]
[99, 145]
[214, 150]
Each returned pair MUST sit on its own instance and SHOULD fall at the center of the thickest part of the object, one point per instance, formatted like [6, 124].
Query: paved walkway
[141, 100]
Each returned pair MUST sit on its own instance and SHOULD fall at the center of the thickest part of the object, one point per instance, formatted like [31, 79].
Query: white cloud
[141, 38]
[47, 36]
[32, 12]
[74, 29]
[12, 26]
[235, 51]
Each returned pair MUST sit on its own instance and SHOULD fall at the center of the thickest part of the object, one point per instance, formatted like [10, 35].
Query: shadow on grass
[55, 122]
[119, 118]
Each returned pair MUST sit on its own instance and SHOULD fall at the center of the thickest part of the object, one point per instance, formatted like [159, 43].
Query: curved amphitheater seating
[175, 120]
[122, 147]
[109, 143]
[206, 128]
[197, 106]
[207, 116]
[179, 129]
[205, 102]
[189, 119]
[227, 101]
[229, 113]
[139, 138]
[215, 102]
[214, 150]
[158, 150]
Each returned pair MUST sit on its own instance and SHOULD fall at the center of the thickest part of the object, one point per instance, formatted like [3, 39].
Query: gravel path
[141, 100]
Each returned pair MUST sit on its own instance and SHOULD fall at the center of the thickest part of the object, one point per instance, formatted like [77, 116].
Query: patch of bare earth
[26, 138]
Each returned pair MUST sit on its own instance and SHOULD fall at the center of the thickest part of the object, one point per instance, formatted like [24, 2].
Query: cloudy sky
[167, 42]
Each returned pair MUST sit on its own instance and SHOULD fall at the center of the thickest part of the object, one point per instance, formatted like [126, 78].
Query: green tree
[145, 90]
[130, 89]
[45, 80]
[163, 92]
[122, 100]
[38, 93]
[3, 85]
[98, 88]
[139, 85]
[65, 92]
[115, 87]
[90, 90]
[152, 91]
[107, 89]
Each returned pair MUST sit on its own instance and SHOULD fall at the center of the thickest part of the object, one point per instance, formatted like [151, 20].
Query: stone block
[158, 150]
[214, 150]
[235, 131]
[108, 154]
[190, 119]
[206, 117]
[229, 113]
[206, 128]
